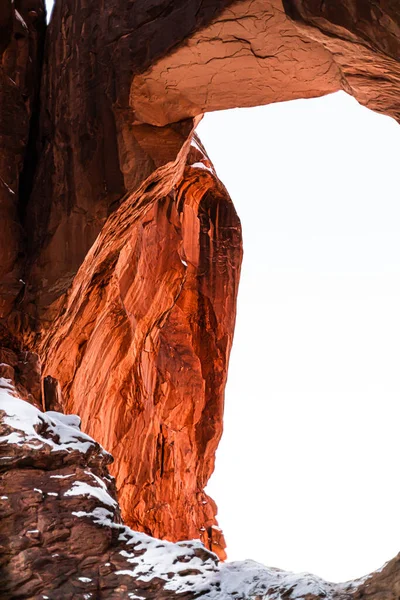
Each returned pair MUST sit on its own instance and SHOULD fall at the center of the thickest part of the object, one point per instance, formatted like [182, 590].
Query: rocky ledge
[62, 535]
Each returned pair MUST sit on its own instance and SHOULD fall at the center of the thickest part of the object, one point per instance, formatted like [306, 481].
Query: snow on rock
[250, 579]
[80, 488]
[189, 568]
[75, 531]
[29, 426]
[68, 420]
[8, 188]
[196, 145]
[197, 158]
[200, 165]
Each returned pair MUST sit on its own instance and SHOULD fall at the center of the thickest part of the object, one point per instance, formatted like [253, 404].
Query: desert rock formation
[62, 535]
[120, 248]
[22, 28]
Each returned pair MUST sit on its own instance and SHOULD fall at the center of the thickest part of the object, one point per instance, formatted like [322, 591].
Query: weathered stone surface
[62, 537]
[144, 341]
[23, 369]
[91, 151]
[21, 38]
[126, 285]
[254, 53]
[251, 54]
[364, 40]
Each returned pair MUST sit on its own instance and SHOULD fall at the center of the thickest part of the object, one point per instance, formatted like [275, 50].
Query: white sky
[49, 6]
[307, 471]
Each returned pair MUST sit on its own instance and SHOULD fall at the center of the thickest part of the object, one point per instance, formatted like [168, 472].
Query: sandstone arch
[125, 282]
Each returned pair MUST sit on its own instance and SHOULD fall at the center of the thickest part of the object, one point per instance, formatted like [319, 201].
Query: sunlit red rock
[119, 247]
[144, 343]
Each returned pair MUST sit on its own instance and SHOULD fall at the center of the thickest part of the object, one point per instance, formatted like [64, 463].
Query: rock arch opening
[304, 474]
[119, 280]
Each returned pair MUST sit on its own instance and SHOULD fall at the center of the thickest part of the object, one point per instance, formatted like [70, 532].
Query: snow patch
[101, 516]
[80, 488]
[68, 420]
[63, 430]
[196, 145]
[200, 165]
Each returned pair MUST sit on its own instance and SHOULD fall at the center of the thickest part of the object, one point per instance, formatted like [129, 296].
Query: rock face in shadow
[21, 38]
[91, 151]
[120, 248]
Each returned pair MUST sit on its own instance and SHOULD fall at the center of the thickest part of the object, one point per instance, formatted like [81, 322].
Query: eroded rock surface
[258, 52]
[120, 249]
[91, 151]
[143, 343]
[62, 537]
[21, 39]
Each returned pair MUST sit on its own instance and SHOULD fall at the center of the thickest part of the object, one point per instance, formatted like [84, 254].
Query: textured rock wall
[121, 250]
[21, 38]
[251, 54]
[258, 52]
[144, 337]
[62, 538]
[92, 153]
[364, 41]
[142, 347]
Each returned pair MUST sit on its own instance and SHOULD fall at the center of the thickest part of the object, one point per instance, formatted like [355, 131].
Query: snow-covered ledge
[58, 498]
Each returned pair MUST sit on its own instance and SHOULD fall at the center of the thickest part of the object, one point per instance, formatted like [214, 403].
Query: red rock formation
[253, 53]
[21, 38]
[92, 153]
[144, 341]
[62, 538]
[61, 534]
[133, 247]
[60, 519]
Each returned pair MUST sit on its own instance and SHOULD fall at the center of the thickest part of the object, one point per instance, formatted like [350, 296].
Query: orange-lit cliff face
[143, 345]
[120, 248]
